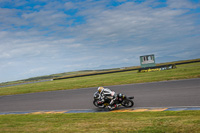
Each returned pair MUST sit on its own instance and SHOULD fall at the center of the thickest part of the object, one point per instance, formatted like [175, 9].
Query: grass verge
[155, 122]
[185, 71]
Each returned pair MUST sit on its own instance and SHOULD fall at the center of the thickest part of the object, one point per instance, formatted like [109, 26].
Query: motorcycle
[124, 101]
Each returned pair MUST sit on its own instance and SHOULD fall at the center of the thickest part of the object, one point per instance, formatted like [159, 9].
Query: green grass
[186, 71]
[153, 122]
[119, 122]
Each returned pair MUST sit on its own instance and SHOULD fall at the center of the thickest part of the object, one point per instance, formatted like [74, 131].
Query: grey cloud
[112, 25]
[70, 5]
[45, 18]
[181, 4]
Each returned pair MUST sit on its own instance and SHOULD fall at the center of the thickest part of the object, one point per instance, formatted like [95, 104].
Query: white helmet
[100, 89]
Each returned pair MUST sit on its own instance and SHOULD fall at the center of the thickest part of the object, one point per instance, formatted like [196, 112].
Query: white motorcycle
[124, 101]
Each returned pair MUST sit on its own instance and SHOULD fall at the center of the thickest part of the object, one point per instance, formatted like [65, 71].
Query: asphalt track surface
[176, 93]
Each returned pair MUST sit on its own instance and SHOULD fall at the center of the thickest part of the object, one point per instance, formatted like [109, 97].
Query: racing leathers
[109, 94]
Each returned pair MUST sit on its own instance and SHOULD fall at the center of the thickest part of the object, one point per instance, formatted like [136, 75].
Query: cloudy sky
[42, 37]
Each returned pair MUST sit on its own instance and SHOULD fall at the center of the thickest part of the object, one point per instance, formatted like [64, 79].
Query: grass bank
[185, 71]
[155, 122]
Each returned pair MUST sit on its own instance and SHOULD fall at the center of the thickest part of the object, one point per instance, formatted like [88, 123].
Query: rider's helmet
[100, 89]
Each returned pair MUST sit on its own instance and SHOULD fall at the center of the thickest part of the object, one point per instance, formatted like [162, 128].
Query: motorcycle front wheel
[128, 103]
[95, 102]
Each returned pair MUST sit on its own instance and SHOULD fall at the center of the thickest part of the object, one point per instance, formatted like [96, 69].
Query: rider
[107, 93]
